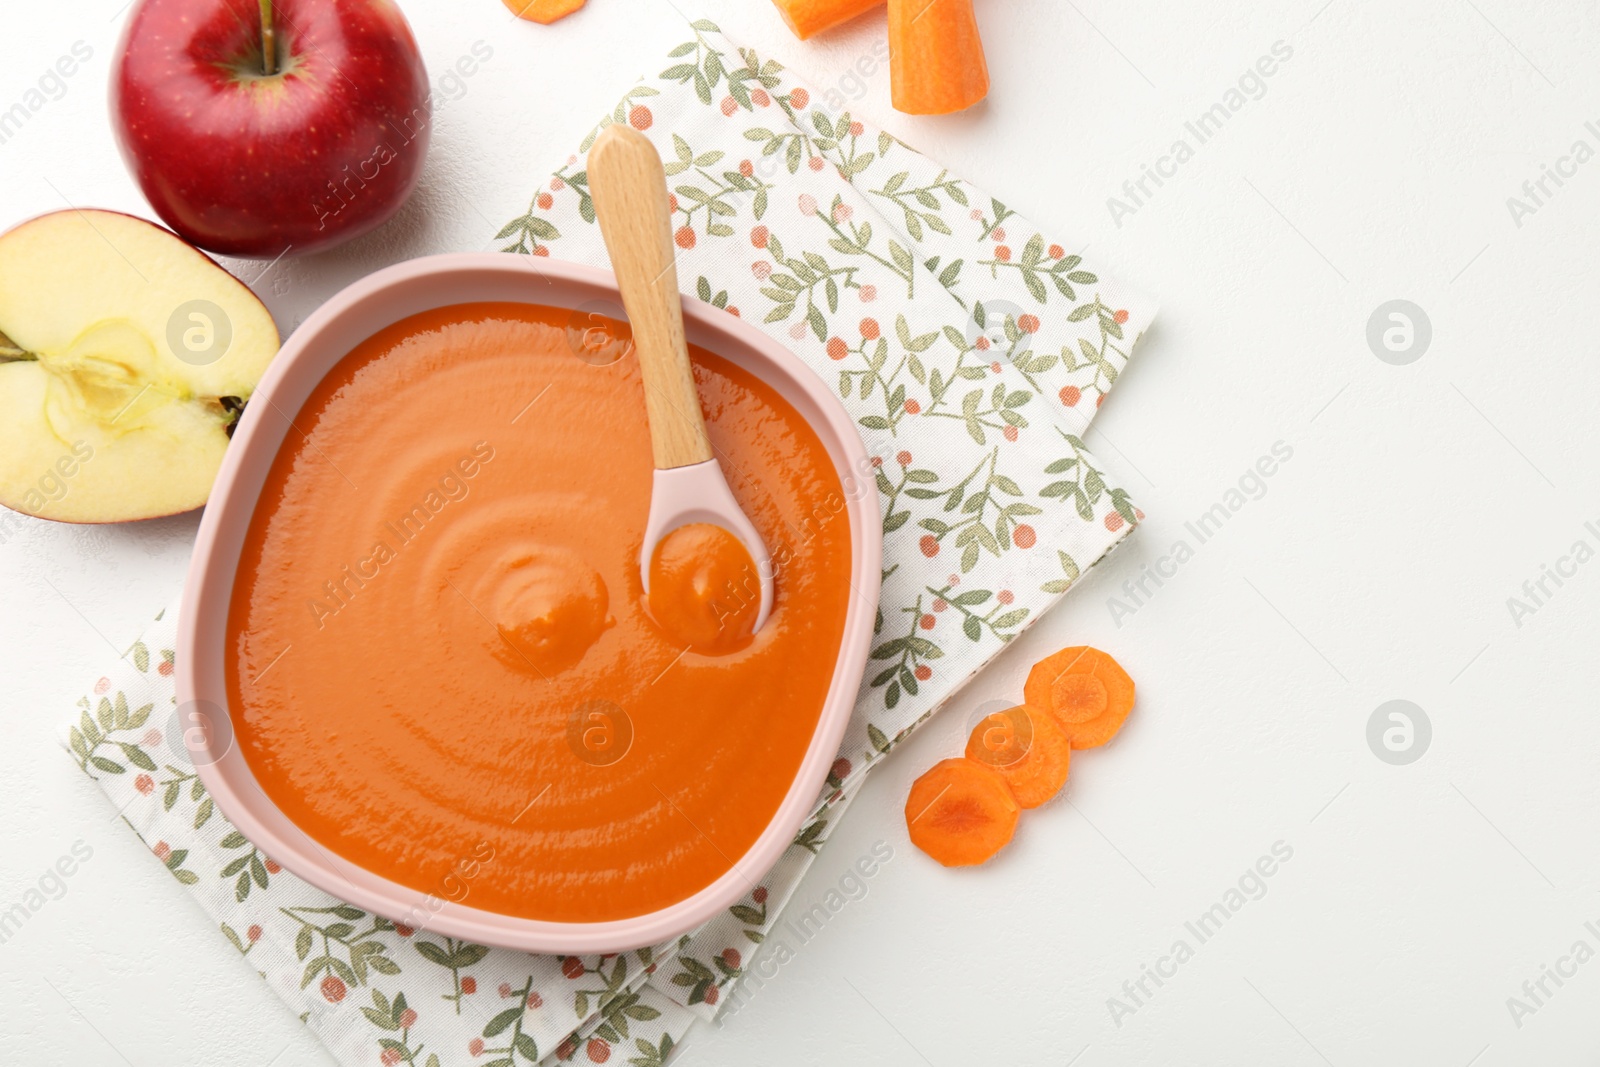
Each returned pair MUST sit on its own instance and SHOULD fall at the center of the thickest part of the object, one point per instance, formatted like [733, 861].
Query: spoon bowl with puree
[707, 573]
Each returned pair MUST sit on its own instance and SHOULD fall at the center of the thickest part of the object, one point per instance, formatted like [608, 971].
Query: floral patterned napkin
[972, 351]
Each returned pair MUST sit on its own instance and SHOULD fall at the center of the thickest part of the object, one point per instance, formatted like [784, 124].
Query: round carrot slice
[1086, 690]
[961, 812]
[1036, 690]
[1035, 771]
[1002, 738]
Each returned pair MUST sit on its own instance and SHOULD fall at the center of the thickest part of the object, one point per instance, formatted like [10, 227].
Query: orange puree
[704, 589]
[442, 664]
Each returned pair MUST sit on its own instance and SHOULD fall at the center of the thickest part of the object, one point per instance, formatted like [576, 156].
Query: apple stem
[269, 40]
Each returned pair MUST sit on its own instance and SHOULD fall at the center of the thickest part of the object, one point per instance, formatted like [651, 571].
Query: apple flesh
[259, 129]
[125, 357]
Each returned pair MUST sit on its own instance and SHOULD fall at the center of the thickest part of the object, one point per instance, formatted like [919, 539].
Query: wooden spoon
[629, 189]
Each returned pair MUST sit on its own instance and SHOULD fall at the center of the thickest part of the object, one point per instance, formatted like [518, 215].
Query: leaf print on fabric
[754, 914]
[791, 146]
[890, 491]
[615, 994]
[173, 787]
[872, 380]
[720, 196]
[617, 1014]
[250, 869]
[907, 651]
[1084, 485]
[454, 956]
[702, 289]
[966, 510]
[652, 1055]
[519, 1046]
[244, 944]
[396, 1017]
[948, 276]
[1105, 358]
[173, 859]
[348, 955]
[810, 836]
[989, 225]
[920, 204]
[709, 67]
[1035, 270]
[91, 739]
[846, 136]
[799, 277]
[529, 230]
[983, 412]
[628, 110]
[855, 239]
[704, 984]
[1068, 567]
[999, 619]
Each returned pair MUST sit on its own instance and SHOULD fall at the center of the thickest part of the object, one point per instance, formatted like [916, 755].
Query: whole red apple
[258, 127]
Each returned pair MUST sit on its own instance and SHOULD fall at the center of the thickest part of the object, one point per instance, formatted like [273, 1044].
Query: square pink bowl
[325, 338]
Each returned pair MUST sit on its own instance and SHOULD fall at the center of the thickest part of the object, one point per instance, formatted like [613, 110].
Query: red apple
[258, 127]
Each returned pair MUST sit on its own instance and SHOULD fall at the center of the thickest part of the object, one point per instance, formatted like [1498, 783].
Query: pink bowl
[338, 326]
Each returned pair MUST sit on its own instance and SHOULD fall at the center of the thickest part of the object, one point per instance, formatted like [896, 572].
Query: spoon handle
[630, 199]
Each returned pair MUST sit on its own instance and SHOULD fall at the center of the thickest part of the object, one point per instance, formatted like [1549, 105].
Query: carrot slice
[1037, 689]
[1003, 737]
[1086, 690]
[1029, 749]
[543, 11]
[807, 18]
[961, 812]
[1078, 697]
[936, 62]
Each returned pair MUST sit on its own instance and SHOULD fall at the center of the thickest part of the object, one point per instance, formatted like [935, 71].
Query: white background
[1376, 566]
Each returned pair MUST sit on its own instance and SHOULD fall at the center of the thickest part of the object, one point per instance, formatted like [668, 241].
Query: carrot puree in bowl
[693, 571]
[441, 664]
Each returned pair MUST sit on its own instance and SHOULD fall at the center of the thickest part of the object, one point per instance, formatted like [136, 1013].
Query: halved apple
[125, 357]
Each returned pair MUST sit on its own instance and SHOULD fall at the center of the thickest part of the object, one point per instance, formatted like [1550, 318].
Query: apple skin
[244, 164]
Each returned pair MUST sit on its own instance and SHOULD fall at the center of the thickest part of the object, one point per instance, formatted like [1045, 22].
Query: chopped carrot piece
[961, 812]
[1029, 749]
[543, 11]
[807, 18]
[1086, 690]
[936, 62]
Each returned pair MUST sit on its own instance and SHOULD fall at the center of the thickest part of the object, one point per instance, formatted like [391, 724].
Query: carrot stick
[1086, 690]
[936, 63]
[1029, 749]
[807, 18]
[961, 812]
[543, 11]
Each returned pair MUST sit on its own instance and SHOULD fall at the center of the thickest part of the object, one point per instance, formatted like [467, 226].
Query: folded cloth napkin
[971, 350]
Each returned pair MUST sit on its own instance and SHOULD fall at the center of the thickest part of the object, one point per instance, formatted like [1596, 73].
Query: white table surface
[1376, 566]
